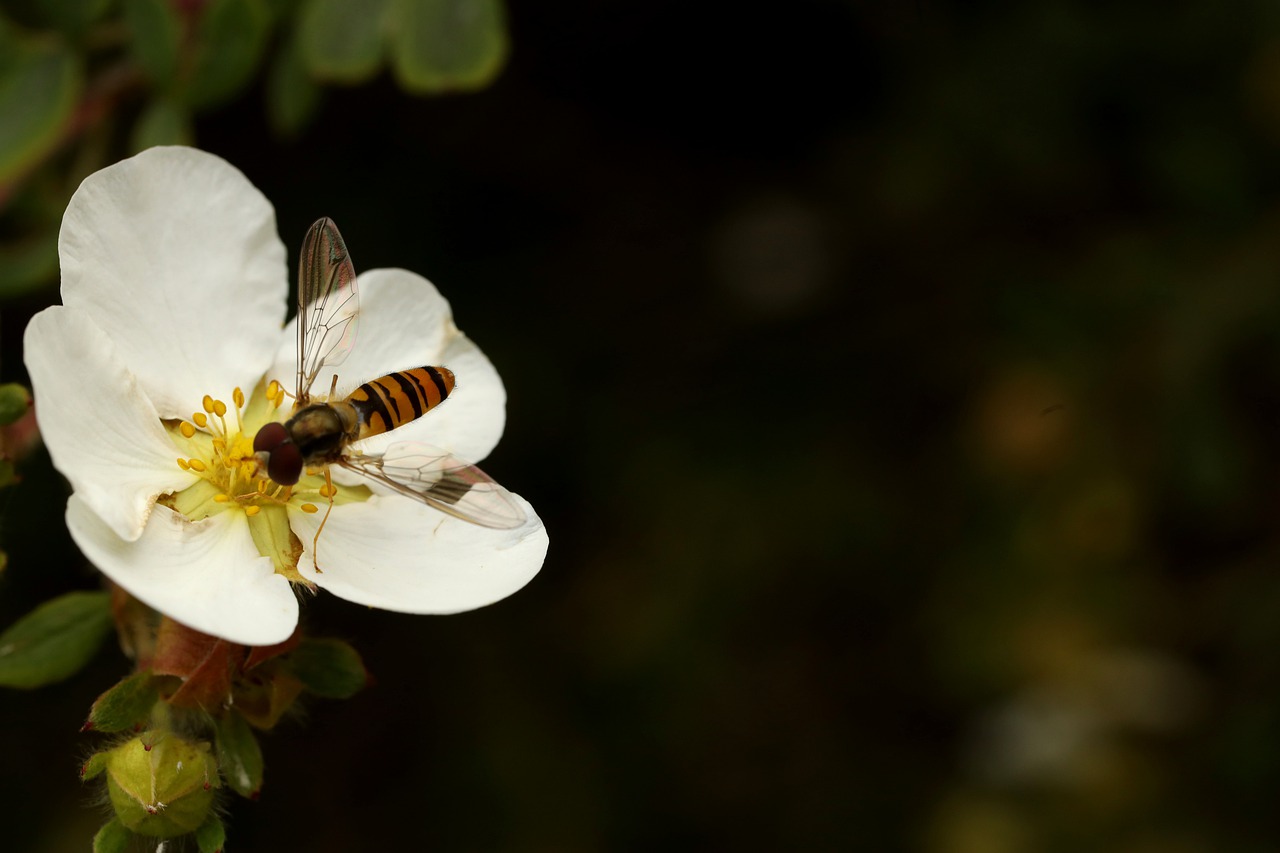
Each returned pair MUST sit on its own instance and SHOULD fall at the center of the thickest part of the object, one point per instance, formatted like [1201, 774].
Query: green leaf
[29, 262]
[232, 36]
[55, 640]
[343, 41]
[112, 838]
[239, 756]
[162, 123]
[443, 45]
[124, 706]
[157, 37]
[211, 835]
[40, 82]
[327, 667]
[292, 96]
[15, 400]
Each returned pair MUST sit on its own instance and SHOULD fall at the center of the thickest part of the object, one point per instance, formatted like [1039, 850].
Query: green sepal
[239, 756]
[233, 34]
[15, 399]
[447, 45]
[156, 37]
[162, 123]
[112, 838]
[55, 640]
[343, 41]
[211, 835]
[94, 766]
[327, 667]
[125, 706]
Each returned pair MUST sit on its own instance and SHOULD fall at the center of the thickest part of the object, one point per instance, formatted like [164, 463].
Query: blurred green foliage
[78, 75]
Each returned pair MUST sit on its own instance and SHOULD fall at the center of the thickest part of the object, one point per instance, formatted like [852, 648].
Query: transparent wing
[328, 304]
[440, 480]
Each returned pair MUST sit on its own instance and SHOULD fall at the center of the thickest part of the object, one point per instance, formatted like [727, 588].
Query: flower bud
[161, 785]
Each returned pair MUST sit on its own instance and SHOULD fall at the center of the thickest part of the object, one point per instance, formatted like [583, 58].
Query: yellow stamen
[328, 490]
[222, 498]
[186, 429]
[310, 508]
[237, 397]
[273, 391]
[219, 408]
[207, 402]
[182, 463]
[197, 465]
[251, 511]
[201, 420]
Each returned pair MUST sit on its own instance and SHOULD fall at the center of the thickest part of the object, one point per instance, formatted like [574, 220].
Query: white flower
[174, 287]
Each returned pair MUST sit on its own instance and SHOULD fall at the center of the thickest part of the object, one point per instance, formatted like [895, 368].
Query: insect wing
[440, 480]
[328, 304]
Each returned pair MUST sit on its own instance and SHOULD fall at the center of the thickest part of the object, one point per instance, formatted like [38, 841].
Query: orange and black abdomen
[397, 398]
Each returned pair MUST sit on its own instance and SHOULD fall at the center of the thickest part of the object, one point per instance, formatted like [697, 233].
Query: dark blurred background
[899, 385]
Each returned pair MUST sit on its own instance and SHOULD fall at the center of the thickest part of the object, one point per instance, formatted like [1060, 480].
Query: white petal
[207, 575]
[405, 323]
[175, 256]
[102, 432]
[397, 554]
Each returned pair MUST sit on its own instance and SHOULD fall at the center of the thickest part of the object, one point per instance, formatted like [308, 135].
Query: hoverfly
[320, 432]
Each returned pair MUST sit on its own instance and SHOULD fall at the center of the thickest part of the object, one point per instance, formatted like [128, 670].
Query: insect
[320, 432]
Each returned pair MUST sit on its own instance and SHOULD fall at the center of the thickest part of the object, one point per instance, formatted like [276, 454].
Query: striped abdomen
[397, 398]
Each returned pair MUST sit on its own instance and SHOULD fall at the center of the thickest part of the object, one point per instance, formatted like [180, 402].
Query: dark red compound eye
[270, 437]
[284, 459]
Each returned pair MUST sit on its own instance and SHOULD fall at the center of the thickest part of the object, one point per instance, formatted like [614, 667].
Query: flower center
[217, 445]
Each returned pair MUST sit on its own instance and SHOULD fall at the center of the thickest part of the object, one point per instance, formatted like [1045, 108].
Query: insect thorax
[320, 431]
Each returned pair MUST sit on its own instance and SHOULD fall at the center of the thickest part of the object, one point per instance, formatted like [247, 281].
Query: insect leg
[328, 491]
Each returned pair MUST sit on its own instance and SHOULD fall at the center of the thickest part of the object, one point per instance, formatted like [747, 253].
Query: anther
[186, 429]
[309, 508]
[207, 402]
[251, 511]
[197, 465]
[328, 491]
[182, 463]
[219, 408]
[201, 419]
[222, 498]
[237, 397]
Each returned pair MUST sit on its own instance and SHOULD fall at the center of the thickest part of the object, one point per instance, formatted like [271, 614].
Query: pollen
[218, 447]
